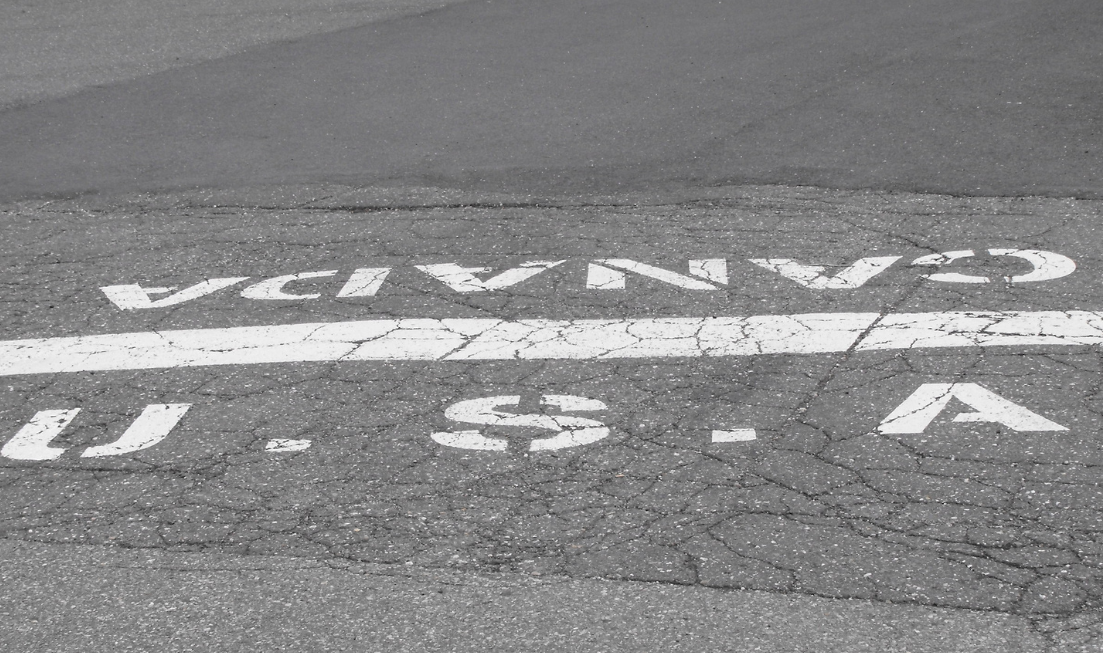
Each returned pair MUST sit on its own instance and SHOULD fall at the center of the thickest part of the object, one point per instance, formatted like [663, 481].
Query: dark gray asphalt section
[65, 598]
[52, 48]
[966, 515]
[979, 97]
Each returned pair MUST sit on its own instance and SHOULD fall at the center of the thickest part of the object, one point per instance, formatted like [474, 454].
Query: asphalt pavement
[553, 326]
[984, 98]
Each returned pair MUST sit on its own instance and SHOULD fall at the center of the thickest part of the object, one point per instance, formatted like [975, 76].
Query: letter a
[463, 279]
[132, 296]
[812, 276]
[919, 410]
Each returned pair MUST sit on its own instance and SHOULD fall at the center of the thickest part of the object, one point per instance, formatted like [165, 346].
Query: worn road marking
[282, 444]
[735, 435]
[32, 442]
[608, 274]
[1047, 265]
[152, 426]
[463, 279]
[926, 403]
[812, 276]
[491, 339]
[570, 430]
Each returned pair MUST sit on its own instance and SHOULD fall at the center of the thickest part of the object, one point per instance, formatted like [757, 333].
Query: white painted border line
[488, 339]
[985, 329]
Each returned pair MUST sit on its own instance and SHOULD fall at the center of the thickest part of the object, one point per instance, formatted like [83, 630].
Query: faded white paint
[274, 288]
[570, 430]
[917, 412]
[984, 329]
[131, 297]
[463, 279]
[469, 440]
[1047, 265]
[155, 422]
[734, 435]
[364, 282]
[713, 269]
[32, 442]
[602, 274]
[609, 274]
[599, 277]
[945, 258]
[853, 276]
[492, 339]
[280, 445]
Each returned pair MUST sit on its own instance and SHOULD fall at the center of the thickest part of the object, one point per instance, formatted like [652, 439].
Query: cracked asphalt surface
[777, 485]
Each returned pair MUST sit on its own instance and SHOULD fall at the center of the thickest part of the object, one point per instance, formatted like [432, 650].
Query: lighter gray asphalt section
[63, 596]
[56, 47]
[67, 598]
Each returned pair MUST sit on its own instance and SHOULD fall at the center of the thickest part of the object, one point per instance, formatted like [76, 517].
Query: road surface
[589, 325]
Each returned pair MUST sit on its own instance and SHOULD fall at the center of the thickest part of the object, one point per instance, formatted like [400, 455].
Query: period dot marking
[281, 445]
[734, 435]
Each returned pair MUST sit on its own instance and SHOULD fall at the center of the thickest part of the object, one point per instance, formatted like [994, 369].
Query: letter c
[1047, 265]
